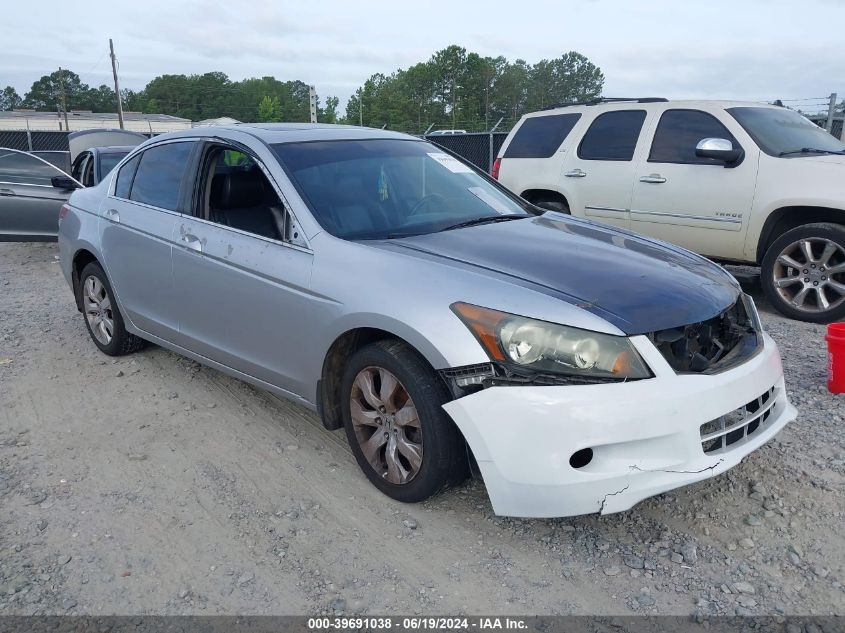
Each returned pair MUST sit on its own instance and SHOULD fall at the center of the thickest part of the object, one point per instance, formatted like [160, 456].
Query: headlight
[528, 345]
[751, 312]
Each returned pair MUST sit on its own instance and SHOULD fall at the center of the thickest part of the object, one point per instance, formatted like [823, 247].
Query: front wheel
[403, 440]
[803, 273]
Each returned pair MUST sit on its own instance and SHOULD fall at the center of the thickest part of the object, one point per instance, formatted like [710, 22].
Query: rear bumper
[644, 435]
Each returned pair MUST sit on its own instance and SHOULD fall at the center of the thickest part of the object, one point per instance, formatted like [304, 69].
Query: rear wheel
[102, 316]
[803, 273]
[405, 443]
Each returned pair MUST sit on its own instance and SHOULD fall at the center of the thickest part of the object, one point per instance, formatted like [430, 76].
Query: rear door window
[541, 136]
[161, 175]
[612, 136]
[679, 131]
[125, 176]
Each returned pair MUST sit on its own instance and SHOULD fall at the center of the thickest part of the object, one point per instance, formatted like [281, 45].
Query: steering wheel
[426, 201]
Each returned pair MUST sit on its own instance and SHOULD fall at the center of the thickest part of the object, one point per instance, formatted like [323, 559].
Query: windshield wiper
[487, 219]
[812, 150]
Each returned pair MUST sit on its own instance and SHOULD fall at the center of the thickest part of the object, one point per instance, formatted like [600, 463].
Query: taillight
[496, 164]
[64, 211]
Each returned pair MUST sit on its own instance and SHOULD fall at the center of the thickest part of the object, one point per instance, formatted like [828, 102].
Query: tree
[45, 93]
[329, 113]
[9, 99]
[269, 110]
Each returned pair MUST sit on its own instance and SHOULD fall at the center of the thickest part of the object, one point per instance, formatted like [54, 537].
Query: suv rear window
[540, 136]
[612, 136]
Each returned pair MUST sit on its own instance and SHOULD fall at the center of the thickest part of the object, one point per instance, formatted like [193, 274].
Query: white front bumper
[645, 435]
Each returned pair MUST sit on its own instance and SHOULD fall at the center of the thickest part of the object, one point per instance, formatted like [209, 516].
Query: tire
[800, 285]
[94, 283]
[443, 460]
[553, 205]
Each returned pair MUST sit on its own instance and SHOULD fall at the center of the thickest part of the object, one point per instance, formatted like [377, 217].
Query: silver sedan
[435, 316]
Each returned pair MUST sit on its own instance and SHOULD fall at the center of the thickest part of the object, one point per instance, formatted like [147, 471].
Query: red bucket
[836, 357]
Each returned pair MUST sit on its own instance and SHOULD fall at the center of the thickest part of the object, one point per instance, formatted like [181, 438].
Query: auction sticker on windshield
[450, 163]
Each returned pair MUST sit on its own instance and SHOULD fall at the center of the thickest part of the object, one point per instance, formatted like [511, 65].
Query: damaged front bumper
[638, 438]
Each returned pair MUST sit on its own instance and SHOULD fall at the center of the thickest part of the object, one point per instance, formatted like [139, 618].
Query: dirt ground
[153, 485]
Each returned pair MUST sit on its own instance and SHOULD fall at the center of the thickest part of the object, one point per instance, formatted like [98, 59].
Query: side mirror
[719, 149]
[64, 182]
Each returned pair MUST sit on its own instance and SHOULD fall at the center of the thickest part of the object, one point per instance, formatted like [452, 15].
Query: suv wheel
[102, 316]
[405, 443]
[803, 273]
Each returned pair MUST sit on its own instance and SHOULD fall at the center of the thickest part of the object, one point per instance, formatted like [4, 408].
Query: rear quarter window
[541, 136]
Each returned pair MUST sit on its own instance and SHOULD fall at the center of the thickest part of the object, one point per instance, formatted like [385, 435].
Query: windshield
[778, 130]
[108, 161]
[380, 188]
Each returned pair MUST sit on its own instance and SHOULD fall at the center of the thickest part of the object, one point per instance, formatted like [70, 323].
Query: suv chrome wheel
[98, 310]
[809, 274]
[386, 424]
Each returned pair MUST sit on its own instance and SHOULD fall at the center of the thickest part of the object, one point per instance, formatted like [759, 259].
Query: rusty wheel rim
[386, 424]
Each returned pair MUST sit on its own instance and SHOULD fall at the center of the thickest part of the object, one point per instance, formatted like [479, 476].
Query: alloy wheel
[809, 274]
[98, 310]
[386, 424]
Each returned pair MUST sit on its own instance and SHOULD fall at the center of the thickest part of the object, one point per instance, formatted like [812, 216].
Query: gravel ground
[153, 485]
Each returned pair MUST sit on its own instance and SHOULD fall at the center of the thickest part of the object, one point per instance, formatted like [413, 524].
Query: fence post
[490, 157]
[831, 108]
[28, 136]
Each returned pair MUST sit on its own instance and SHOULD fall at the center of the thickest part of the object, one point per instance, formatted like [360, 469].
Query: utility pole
[454, 103]
[360, 107]
[62, 96]
[116, 86]
[831, 108]
[312, 94]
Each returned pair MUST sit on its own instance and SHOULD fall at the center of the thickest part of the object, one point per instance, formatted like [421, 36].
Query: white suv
[735, 181]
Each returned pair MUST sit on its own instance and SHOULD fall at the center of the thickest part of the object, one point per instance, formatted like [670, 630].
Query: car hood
[637, 284]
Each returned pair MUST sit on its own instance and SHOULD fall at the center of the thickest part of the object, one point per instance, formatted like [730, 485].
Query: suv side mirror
[719, 149]
[64, 182]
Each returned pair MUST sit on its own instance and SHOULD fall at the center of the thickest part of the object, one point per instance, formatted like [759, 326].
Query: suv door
[694, 202]
[29, 203]
[602, 168]
[242, 272]
[138, 223]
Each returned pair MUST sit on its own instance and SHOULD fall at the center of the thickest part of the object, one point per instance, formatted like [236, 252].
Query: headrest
[237, 190]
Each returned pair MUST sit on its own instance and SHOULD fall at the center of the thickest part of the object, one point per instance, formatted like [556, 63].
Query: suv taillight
[496, 164]
[64, 211]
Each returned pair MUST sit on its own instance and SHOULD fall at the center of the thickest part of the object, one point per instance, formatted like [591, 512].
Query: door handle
[192, 242]
[653, 178]
[112, 215]
[575, 173]
[7, 192]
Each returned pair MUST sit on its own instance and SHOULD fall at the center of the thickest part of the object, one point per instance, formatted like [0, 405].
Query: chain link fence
[35, 141]
[478, 148]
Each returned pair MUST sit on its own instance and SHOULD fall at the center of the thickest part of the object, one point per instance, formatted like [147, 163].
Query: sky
[739, 49]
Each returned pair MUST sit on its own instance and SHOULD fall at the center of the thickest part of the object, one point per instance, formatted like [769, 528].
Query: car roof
[272, 133]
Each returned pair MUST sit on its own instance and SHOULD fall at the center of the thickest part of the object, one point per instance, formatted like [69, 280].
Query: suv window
[160, 174]
[22, 169]
[679, 131]
[541, 136]
[612, 136]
